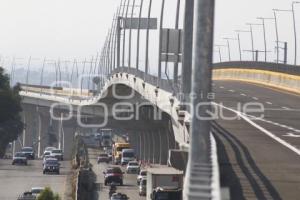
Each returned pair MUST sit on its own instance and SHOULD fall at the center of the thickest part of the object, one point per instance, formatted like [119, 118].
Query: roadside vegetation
[11, 125]
[48, 194]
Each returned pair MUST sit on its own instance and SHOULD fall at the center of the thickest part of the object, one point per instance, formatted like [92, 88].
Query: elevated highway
[259, 157]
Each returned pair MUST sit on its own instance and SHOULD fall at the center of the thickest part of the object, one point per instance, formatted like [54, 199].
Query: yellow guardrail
[278, 80]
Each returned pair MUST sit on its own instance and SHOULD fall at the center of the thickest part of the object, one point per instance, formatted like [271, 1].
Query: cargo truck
[117, 151]
[164, 184]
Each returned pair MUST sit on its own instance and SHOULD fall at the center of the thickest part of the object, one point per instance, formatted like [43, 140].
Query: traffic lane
[129, 188]
[279, 108]
[255, 92]
[254, 165]
[17, 179]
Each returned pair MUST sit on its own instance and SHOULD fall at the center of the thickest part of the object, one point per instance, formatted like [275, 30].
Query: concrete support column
[160, 146]
[31, 127]
[144, 145]
[44, 123]
[24, 130]
[148, 133]
[39, 134]
[165, 148]
[154, 155]
[68, 132]
[140, 146]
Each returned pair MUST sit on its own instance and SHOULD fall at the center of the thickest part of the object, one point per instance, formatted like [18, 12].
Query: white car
[36, 190]
[58, 154]
[142, 175]
[48, 150]
[133, 167]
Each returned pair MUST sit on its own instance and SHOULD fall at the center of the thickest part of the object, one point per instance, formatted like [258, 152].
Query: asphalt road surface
[14, 180]
[129, 188]
[259, 157]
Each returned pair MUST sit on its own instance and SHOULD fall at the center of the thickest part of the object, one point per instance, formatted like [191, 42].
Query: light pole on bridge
[239, 40]
[294, 26]
[219, 50]
[264, 36]
[228, 46]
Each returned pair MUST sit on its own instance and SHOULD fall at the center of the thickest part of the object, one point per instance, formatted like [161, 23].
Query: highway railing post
[201, 84]
[187, 49]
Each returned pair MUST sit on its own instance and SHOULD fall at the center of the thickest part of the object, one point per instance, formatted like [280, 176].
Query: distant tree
[11, 125]
[48, 194]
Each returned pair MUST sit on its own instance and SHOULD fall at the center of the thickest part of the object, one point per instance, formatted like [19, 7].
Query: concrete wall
[278, 80]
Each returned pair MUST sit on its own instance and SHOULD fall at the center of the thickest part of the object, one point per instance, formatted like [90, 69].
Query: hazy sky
[77, 28]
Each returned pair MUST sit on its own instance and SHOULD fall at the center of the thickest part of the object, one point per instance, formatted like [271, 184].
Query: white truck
[106, 138]
[164, 183]
[127, 156]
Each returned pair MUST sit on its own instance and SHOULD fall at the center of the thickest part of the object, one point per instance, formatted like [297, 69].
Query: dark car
[113, 175]
[119, 196]
[20, 159]
[103, 157]
[29, 152]
[27, 196]
[51, 166]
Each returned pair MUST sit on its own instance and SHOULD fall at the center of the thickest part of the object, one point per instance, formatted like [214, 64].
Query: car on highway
[119, 196]
[103, 157]
[46, 157]
[51, 166]
[141, 175]
[133, 167]
[29, 152]
[57, 153]
[19, 159]
[27, 196]
[143, 187]
[113, 175]
[37, 190]
[48, 150]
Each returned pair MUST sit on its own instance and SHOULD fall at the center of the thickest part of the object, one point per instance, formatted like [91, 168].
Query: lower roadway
[14, 179]
[129, 188]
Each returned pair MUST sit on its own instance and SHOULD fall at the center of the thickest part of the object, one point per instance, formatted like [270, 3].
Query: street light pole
[28, 67]
[240, 49]
[219, 50]
[228, 48]
[277, 35]
[252, 41]
[295, 29]
[239, 42]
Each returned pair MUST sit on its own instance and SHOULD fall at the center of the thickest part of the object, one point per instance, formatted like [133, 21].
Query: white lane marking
[221, 87]
[285, 108]
[243, 95]
[292, 135]
[268, 133]
[268, 102]
[231, 91]
[273, 123]
[255, 98]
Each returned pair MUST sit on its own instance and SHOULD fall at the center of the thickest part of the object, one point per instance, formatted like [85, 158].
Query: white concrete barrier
[278, 80]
